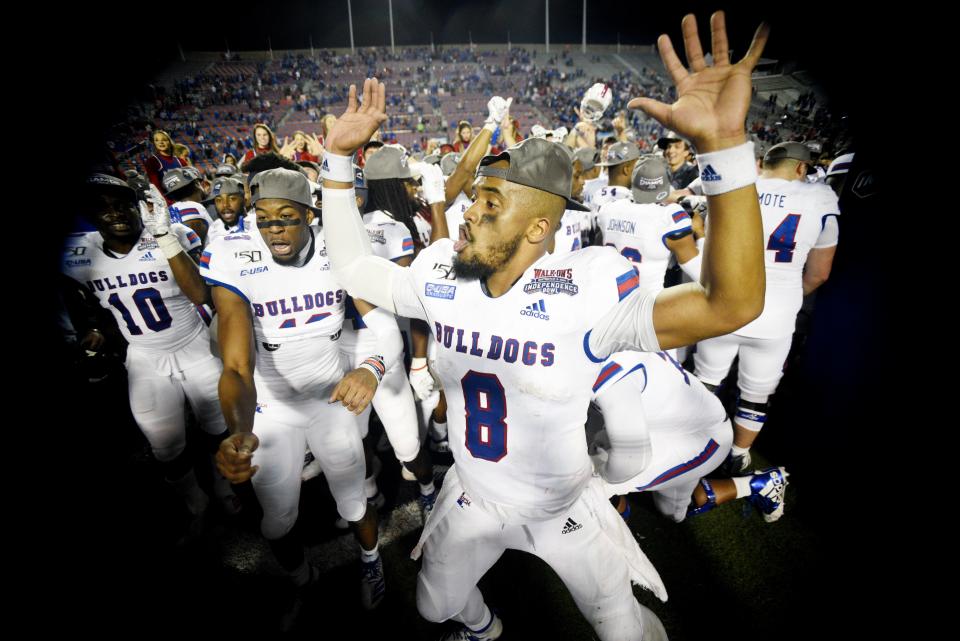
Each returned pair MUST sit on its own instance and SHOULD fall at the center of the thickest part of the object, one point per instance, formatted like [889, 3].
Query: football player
[183, 187]
[679, 432]
[229, 197]
[801, 231]
[518, 386]
[280, 313]
[646, 230]
[140, 269]
[621, 158]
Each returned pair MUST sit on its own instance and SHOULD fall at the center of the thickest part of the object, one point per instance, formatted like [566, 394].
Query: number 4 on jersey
[782, 239]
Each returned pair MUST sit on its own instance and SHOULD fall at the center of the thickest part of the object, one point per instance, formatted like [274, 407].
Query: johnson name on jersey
[797, 216]
[640, 234]
[515, 370]
[138, 288]
[297, 312]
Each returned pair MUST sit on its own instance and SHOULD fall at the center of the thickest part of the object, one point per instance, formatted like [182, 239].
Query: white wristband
[338, 168]
[169, 245]
[727, 169]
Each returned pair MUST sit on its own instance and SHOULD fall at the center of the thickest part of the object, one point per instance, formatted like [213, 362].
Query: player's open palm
[360, 121]
[712, 101]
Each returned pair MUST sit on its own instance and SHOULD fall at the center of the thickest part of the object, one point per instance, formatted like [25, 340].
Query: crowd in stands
[431, 94]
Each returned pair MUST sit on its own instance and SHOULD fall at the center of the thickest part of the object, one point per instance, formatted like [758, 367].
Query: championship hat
[391, 161]
[535, 163]
[281, 183]
[650, 182]
[179, 178]
[588, 158]
[784, 150]
[620, 153]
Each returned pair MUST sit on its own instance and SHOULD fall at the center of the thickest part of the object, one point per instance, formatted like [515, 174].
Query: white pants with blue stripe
[680, 460]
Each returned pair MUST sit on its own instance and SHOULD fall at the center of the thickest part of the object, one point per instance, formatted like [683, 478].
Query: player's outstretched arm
[238, 396]
[362, 274]
[711, 111]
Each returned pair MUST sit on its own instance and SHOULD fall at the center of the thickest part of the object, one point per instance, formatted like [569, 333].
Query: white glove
[421, 380]
[695, 203]
[560, 134]
[157, 221]
[432, 183]
[497, 108]
[538, 131]
[595, 101]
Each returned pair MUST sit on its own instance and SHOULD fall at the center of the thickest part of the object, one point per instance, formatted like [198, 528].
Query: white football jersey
[139, 287]
[639, 233]
[515, 369]
[609, 194]
[389, 238]
[672, 399]
[795, 215]
[567, 238]
[592, 186]
[218, 228]
[455, 214]
[187, 210]
[297, 312]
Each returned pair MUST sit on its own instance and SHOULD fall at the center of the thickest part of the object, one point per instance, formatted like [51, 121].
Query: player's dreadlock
[390, 195]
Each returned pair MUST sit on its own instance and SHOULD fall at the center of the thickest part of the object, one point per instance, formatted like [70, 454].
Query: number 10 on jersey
[485, 405]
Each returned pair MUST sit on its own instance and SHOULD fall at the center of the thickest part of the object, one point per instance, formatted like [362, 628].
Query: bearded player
[519, 386]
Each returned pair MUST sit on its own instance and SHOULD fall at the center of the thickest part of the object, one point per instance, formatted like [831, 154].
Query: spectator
[264, 142]
[162, 160]
[464, 135]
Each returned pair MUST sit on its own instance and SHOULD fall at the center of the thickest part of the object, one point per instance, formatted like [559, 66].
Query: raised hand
[360, 121]
[712, 102]
[154, 212]
[314, 145]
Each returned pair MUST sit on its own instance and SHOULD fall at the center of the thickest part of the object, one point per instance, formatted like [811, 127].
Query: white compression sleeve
[626, 426]
[383, 324]
[628, 326]
[692, 268]
[363, 275]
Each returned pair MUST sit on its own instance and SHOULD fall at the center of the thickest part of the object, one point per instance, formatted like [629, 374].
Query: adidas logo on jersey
[147, 257]
[709, 174]
[537, 310]
[571, 526]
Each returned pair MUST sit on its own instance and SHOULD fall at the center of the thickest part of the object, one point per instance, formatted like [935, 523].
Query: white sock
[368, 556]
[486, 620]
[739, 451]
[426, 489]
[742, 484]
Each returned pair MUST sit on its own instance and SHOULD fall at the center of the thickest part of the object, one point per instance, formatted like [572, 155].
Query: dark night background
[101, 579]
